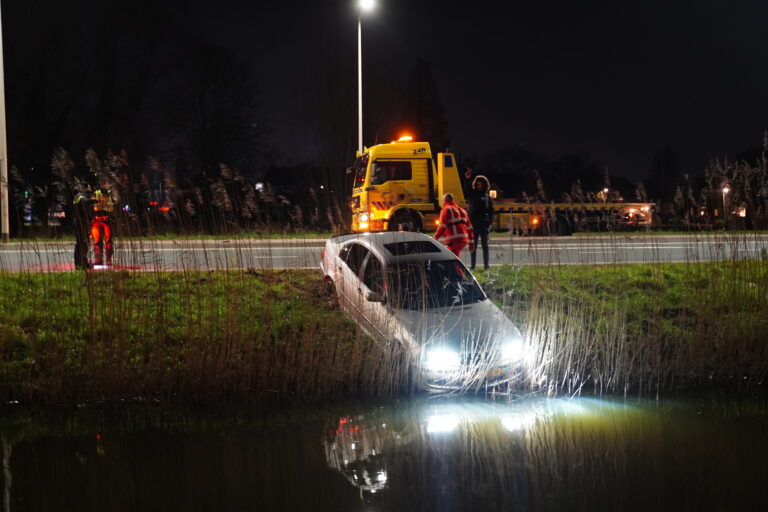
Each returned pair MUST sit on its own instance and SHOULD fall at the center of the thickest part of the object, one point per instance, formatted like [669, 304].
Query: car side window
[373, 275]
[354, 256]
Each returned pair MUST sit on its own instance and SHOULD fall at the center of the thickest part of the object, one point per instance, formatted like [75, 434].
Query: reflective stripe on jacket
[454, 225]
[103, 202]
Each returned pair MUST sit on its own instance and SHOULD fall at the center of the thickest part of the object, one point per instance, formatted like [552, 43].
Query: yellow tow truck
[399, 186]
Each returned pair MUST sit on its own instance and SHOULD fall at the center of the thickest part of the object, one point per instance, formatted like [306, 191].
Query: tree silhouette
[217, 113]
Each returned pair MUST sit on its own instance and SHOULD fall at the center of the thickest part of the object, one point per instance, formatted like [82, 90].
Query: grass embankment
[180, 337]
[245, 337]
[640, 328]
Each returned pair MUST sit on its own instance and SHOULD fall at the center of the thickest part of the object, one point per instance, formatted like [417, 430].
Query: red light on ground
[165, 208]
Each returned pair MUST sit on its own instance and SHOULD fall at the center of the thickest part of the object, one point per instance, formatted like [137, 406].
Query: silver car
[407, 288]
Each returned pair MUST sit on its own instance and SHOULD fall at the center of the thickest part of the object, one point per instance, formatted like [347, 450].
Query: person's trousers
[456, 247]
[481, 237]
[100, 224]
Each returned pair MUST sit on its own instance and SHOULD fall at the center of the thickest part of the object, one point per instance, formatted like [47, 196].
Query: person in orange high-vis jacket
[101, 224]
[454, 225]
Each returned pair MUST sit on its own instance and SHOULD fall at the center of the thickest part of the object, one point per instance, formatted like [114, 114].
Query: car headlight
[441, 359]
[512, 350]
[364, 217]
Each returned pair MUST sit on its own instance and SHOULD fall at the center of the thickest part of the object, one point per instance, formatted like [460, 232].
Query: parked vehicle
[400, 185]
[404, 287]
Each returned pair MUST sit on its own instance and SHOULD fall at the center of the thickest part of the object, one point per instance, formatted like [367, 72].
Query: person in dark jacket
[480, 215]
[82, 213]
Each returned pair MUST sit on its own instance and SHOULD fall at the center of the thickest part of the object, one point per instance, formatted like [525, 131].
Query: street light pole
[363, 5]
[4, 199]
[360, 84]
[725, 191]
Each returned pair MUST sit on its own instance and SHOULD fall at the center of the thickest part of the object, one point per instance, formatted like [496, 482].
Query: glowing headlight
[441, 359]
[512, 350]
[363, 217]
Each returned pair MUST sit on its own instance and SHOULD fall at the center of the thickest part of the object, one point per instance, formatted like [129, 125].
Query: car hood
[479, 325]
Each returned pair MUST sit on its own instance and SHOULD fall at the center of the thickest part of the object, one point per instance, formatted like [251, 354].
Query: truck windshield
[388, 170]
[432, 284]
[361, 166]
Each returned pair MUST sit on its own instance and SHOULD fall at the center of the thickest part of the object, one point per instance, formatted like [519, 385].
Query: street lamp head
[726, 190]
[366, 5]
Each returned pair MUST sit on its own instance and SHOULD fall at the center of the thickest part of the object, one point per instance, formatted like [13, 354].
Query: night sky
[616, 80]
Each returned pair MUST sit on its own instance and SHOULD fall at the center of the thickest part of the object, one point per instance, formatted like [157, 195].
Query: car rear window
[414, 247]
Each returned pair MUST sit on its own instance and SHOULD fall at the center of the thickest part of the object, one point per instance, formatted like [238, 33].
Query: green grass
[638, 326]
[187, 337]
[247, 337]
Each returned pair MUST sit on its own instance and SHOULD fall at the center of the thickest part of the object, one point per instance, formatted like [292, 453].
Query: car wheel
[329, 293]
[405, 220]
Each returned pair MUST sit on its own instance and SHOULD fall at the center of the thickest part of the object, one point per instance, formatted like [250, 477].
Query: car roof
[378, 240]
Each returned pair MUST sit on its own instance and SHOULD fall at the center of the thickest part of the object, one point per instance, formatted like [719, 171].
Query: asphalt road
[305, 253]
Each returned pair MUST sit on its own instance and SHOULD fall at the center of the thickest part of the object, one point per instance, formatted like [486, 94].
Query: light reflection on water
[422, 454]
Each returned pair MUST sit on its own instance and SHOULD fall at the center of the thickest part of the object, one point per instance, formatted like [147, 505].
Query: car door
[351, 259]
[375, 313]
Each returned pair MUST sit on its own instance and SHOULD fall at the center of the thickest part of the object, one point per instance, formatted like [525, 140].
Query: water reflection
[422, 454]
[540, 454]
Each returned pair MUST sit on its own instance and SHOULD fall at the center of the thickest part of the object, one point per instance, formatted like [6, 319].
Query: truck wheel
[405, 220]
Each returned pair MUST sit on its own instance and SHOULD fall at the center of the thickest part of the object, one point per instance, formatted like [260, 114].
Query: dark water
[459, 454]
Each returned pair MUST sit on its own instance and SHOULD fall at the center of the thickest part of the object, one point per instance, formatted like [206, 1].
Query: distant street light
[365, 6]
[725, 191]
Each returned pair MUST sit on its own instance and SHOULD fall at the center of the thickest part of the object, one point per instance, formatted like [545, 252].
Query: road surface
[174, 255]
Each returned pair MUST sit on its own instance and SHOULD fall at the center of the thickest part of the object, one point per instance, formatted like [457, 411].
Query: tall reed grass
[189, 337]
[202, 318]
[219, 322]
[640, 328]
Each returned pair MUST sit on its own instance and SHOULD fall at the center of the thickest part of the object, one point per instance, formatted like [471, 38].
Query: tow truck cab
[401, 184]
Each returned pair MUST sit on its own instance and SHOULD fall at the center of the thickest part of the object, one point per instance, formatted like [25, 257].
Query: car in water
[406, 288]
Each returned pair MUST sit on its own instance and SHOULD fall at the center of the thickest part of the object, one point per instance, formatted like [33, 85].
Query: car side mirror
[375, 297]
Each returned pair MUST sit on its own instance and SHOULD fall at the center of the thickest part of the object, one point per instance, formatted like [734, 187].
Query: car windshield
[432, 284]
